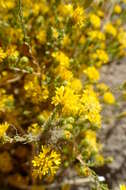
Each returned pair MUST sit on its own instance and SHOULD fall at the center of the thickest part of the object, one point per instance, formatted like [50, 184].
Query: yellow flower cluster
[95, 20]
[37, 7]
[122, 38]
[90, 137]
[91, 107]
[61, 58]
[47, 162]
[79, 16]
[110, 29]
[7, 101]
[96, 35]
[37, 93]
[63, 72]
[66, 97]
[7, 4]
[72, 103]
[92, 74]
[41, 36]
[3, 129]
[102, 87]
[101, 56]
[2, 55]
[76, 85]
[66, 9]
[50, 75]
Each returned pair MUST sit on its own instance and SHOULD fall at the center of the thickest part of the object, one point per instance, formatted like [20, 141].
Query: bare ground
[113, 133]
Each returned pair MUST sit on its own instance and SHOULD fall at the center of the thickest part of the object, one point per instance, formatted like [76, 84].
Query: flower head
[90, 137]
[79, 16]
[65, 10]
[66, 97]
[122, 37]
[41, 36]
[109, 98]
[61, 58]
[110, 29]
[117, 9]
[91, 107]
[100, 55]
[96, 35]
[95, 21]
[46, 162]
[36, 92]
[92, 74]
[3, 129]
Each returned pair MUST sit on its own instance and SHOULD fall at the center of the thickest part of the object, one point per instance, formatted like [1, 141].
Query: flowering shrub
[51, 53]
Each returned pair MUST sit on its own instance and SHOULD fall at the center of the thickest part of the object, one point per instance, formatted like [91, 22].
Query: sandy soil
[113, 133]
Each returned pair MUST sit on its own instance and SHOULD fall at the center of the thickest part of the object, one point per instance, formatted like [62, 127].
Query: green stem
[22, 19]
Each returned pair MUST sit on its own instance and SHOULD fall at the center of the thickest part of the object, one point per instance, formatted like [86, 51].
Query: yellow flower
[100, 13]
[35, 129]
[65, 41]
[100, 55]
[117, 9]
[79, 16]
[95, 20]
[82, 40]
[3, 129]
[41, 36]
[9, 4]
[45, 92]
[46, 114]
[122, 187]
[118, 22]
[64, 73]
[109, 98]
[55, 33]
[39, 7]
[42, 117]
[122, 37]
[99, 160]
[36, 9]
[90, 137]
[34, 91]
[67, 134]
[102, 87]
[59, 96]
[110, 29]
[12, 52]
[2, 55]
[96, 34]
[6, 101]
[92, 73]
[91, 107]
[76, 85]
[66, 10]
[68, 99]
[47, 162]
[61, 58]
